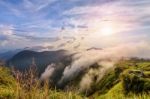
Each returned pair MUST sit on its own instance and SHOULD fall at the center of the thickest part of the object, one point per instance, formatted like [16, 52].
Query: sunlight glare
[107, 30]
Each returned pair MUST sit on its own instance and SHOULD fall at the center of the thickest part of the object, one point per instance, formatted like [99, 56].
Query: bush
[26, 86]
[135, 81]
[7, 83]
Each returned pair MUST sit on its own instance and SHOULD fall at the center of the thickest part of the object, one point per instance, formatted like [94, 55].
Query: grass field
[128, 80]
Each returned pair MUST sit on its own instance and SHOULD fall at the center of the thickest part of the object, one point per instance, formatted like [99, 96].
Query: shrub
[7, 83]
[135, 81]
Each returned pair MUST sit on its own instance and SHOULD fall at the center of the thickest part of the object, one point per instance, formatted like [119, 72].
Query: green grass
[117, 93]
[11, 88]
[109, 80]
[7, 83]
[134, 81]
[128, 80]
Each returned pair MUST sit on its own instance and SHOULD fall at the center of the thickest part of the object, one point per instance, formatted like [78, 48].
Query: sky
[86, 23]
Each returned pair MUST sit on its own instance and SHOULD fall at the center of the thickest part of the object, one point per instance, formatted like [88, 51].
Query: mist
[83, 60]
[48, 72]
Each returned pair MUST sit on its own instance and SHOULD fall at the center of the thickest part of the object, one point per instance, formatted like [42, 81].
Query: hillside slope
[11, 88]
[129, 79]
[24, 59]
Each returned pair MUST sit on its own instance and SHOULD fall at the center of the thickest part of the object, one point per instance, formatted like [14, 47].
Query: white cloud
[35, 6]
[106, 57]
[10, 37]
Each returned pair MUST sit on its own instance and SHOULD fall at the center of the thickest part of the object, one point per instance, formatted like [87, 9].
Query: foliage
[117, 93]
[26, 86]
[7, 83]
[134, 81]
[130, 79]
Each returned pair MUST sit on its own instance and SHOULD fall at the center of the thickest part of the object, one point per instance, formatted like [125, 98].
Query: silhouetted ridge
[23, 59]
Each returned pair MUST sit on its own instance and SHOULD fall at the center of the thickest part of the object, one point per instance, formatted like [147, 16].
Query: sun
[106, 30]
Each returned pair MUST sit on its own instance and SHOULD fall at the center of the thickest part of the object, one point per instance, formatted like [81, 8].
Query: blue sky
[38, 22]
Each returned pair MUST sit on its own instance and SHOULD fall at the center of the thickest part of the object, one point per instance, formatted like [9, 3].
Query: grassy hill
[129, 79]
[12, 88]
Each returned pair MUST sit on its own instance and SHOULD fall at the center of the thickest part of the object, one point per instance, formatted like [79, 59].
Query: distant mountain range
[9, 54]
[94, 48]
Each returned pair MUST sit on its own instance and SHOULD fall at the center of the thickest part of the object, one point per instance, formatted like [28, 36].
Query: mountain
[9, 54]
[25, 58]
[94, 48]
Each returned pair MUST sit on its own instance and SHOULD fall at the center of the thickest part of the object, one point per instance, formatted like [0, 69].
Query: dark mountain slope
[24, 59]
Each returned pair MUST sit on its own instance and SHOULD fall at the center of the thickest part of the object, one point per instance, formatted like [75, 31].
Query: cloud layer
[32, 20]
